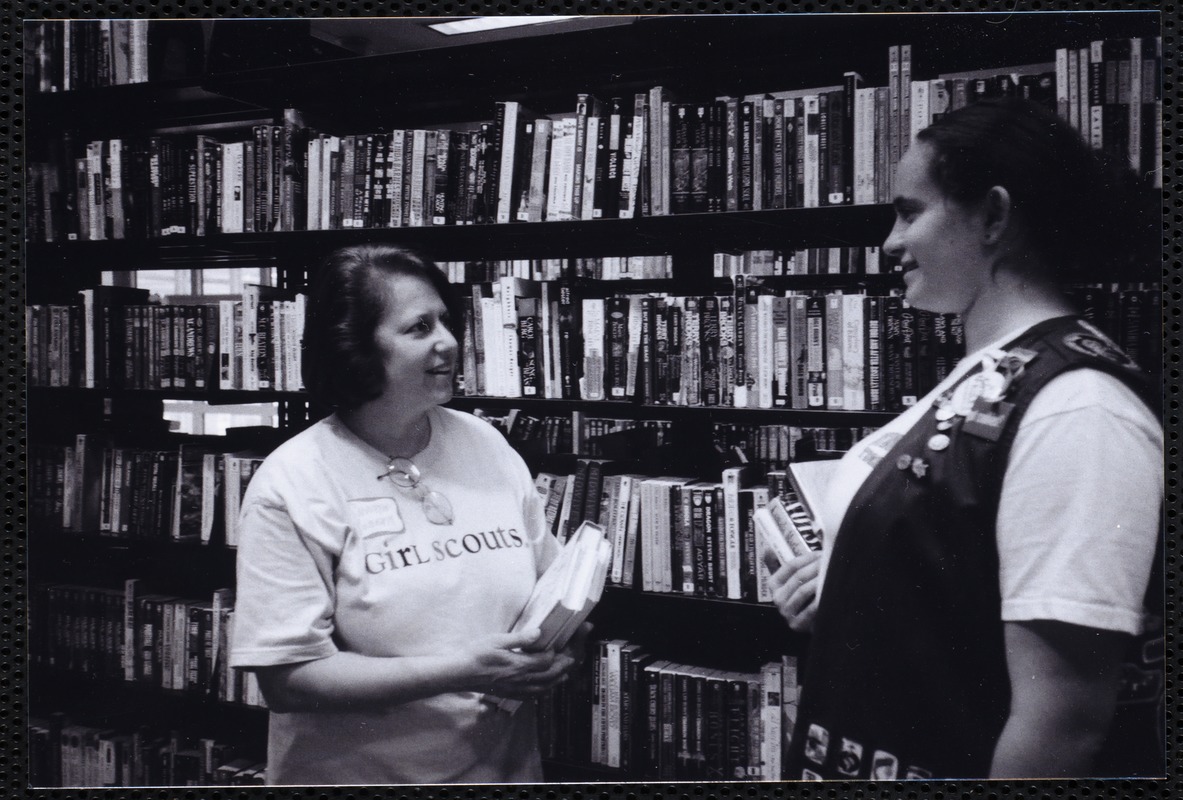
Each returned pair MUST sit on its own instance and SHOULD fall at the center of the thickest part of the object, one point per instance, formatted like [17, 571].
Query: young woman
[386, 551]
[991, 551]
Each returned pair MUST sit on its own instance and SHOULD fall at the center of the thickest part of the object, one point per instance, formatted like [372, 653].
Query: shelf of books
[667, 251]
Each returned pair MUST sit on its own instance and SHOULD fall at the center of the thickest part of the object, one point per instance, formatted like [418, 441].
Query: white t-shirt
[331, 558]
[1078, 517]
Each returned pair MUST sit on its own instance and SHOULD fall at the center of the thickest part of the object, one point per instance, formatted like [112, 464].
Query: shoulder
[1090, 390]
[298, 460]
[462, 425]
[470, 443]
[307, 443]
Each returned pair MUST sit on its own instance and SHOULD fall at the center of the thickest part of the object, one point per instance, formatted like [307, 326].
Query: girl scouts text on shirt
[471, 543]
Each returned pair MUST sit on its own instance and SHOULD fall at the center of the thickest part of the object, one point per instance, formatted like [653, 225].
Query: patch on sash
[850, 757]
[874, 452]
[1097, 347]
[375, 516]
[884, 766]
[817, 743]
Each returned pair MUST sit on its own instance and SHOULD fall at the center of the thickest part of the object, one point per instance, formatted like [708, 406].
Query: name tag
[376, 516]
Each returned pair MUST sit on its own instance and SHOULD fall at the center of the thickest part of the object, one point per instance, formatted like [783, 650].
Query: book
[734, 479]
[810, 481]
[591, 384]
[102, 310]
[786, 530]
[565, 593]
[513, 121]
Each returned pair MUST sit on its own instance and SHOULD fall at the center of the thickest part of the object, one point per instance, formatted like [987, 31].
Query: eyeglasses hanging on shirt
[405, 475]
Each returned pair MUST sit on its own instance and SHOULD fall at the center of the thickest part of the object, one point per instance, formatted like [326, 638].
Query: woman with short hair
[386, 551]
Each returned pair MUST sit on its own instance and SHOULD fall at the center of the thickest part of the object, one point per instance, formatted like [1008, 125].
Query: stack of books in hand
[788, 523]
[565, 594]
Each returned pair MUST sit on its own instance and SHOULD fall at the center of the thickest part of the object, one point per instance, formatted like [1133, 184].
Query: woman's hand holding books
[499, 665]
[794, 585]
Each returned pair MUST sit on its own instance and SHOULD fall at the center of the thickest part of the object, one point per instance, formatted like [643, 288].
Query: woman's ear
[997, 211]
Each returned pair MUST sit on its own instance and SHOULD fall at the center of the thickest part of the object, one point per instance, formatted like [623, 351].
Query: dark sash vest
[906, 673]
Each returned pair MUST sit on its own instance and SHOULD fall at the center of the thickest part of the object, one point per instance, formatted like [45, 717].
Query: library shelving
[711, 649]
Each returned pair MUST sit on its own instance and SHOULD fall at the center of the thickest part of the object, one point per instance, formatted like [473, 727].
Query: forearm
[1045, 748]
[349, 682]
[1063, 695]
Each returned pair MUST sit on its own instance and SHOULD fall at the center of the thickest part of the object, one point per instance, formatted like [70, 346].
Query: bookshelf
[697, 59]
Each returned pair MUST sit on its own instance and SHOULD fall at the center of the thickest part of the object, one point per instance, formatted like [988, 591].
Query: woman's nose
[445, 340]
[893, 245]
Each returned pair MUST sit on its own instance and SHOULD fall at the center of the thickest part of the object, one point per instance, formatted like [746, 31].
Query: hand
[500, 668]
[794, 587]
[576, 648]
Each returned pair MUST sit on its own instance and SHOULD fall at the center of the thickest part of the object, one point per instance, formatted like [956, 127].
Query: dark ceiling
[380, 35]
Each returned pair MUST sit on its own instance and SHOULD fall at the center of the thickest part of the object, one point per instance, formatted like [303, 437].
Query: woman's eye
[906, 212]
[420, 327]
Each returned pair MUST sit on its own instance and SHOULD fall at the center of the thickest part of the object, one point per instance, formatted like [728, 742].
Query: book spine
[591, 162]
[909, 384]
[745, 143]
[854, 360]
[851, 86]
[733, 548]
[815, 362]
[528, 350]
[508, 113]
[758, 149]
[579, 156]
[655, 131]
[592, 382]
[873, 315]
[779, 322]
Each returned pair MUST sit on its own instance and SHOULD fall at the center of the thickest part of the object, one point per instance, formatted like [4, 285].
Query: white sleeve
[284, 601]
[1079, 515]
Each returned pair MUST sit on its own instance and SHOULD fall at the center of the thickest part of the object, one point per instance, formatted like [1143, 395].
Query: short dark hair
[1081, 209]
[342, 367]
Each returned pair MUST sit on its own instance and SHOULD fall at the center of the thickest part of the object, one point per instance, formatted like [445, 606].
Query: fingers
[802, 569]
[534, 680]
[516, 640]
[770, 561]
[803, 622]
[792, 602]
[796, 603]
[794, 590]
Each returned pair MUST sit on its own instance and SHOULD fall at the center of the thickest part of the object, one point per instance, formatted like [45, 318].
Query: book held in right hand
[565, 594]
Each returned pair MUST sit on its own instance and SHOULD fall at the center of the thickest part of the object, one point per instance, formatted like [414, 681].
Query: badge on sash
[988, 385]
[884, 766]
[817, 743]
[1096, 344]
[986, 420]
[376, 516]
[850, 757]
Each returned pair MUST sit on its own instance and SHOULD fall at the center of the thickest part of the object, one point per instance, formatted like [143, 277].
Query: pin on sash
[986, 420]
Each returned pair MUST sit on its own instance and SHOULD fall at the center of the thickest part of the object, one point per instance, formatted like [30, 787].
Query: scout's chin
[919, 295]
[913, 285]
